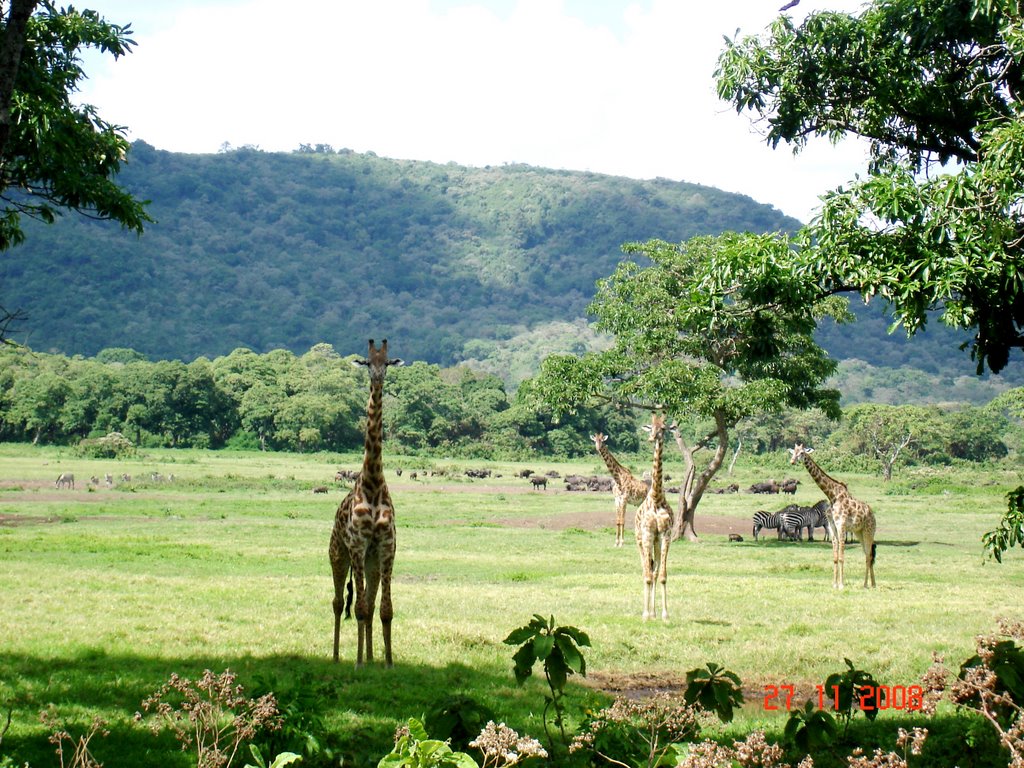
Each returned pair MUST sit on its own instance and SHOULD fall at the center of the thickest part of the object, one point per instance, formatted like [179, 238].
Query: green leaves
[1010, 532]
[947, 241]
[810, 729]
[714, 689]
[416, 749]
[557, 647]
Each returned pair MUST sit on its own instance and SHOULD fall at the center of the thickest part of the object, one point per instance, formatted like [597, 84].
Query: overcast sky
[609, 86]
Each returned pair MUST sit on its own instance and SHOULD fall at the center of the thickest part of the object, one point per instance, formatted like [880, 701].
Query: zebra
[764, 519]
[792, 520]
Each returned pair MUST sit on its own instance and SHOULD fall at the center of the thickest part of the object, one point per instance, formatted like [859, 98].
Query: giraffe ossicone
[847, 513]
[363, 541]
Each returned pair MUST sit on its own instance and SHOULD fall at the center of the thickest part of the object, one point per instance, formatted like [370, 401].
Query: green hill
[285, 250]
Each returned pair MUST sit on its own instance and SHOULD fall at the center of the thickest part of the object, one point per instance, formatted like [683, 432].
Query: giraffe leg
[372, 583]
[867, 541]
[358, 575]
[620, 519]
[842, 559]
[339, 569]
[645, 565]
[663, 573]
[835, 559]
[387, 610]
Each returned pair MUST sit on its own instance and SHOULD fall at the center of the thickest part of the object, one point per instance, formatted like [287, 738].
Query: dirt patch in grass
[13, 521]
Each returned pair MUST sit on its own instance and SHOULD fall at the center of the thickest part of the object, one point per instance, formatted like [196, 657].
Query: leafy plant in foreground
[458, 719]
[851, 690]
[810, 729]
[558, 649]
[715, 689]
[80, 756]
[415, 749]
[1010, 532]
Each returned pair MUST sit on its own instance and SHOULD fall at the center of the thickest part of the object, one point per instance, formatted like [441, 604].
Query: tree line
[317, 401]
[279, 401]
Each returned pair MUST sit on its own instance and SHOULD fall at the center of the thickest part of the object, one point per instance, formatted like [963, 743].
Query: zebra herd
[791, 520]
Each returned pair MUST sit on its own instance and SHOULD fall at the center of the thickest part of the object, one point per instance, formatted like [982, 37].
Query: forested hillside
[260, 250]
[286, 250]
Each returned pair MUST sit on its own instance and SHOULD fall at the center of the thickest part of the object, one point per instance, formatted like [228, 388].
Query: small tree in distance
[695, 340]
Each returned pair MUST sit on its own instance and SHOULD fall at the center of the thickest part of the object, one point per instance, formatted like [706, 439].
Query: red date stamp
[867, 697]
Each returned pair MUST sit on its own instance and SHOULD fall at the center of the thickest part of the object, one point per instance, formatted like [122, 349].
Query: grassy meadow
[108, 591]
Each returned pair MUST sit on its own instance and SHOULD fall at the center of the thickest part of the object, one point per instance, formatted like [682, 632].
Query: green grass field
[106, 592]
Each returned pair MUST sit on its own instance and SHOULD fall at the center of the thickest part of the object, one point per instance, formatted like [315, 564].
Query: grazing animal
[789, 486]
[731, 488]
[772, 520]
[539, 481]
[735, 537]
[847, 513]
[626, 488]
[126, 478]
[653, 527]
[320, 489]
[65, 480]
[795, 518]
[398, 471]
[363, 539]
[770, 487]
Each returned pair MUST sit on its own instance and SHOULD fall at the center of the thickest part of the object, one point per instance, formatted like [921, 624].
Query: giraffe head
[656, 428]
[377, 361]
[599, 440]
[798, 452]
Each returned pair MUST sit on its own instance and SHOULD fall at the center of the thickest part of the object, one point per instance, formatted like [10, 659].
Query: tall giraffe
[363, 538]
[847, 514]
[627, 489]
[653, 526]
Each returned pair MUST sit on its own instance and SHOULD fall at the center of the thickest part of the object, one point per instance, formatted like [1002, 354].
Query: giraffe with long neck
[363, 540]
[653, 527]
[626, 488]
[847, 514]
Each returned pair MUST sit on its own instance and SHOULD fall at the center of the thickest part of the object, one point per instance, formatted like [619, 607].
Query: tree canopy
[694, 339]
[56, 154]
[934, 86]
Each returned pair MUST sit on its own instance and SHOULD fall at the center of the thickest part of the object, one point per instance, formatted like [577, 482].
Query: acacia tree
[931, 84]
[695, 340]
[55, 154]
[891, 433]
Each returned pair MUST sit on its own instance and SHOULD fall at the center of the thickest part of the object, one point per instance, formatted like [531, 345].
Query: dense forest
[118, 402]
[266, 251]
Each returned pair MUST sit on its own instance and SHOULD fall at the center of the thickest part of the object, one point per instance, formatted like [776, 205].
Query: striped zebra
[792, 521]
[764, 520]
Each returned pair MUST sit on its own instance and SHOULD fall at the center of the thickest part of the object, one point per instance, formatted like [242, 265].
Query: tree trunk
[12, 43]
[694, 485]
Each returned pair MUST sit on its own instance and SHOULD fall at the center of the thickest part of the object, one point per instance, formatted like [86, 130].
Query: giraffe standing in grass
[848, 514]
[363, 539]
[653, 527]
[627, 489]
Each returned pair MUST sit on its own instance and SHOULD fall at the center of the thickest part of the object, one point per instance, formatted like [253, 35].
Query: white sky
[609, 86]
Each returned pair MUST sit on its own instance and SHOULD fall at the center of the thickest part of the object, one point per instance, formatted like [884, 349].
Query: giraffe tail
[348, 597]
[874, 547]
